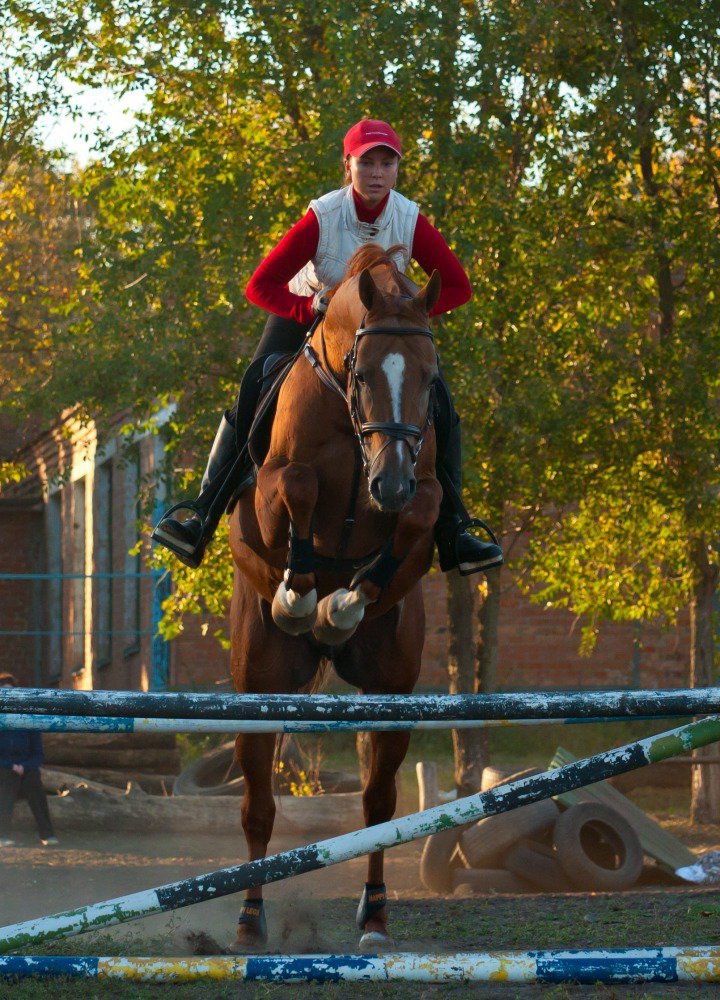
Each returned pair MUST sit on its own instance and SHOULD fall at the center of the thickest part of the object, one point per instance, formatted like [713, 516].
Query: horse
[328, 567]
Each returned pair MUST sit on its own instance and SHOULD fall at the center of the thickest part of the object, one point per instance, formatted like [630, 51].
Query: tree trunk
[469, 745]
[705, 780]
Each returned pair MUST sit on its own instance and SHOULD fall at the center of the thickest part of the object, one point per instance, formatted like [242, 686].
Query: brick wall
[540, 648]
[21, 547]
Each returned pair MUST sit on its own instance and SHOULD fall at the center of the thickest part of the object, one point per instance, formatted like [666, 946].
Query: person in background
[21, 755]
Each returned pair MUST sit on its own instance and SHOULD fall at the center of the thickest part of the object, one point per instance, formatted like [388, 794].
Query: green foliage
[568, 151]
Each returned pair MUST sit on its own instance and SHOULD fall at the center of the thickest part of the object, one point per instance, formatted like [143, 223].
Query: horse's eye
[359, 378]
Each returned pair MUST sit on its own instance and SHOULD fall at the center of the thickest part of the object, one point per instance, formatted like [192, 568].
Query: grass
[484, 923]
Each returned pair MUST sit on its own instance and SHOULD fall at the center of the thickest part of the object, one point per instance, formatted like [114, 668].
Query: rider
[289, 284]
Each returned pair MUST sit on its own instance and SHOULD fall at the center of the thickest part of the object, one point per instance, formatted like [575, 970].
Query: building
[79, 606]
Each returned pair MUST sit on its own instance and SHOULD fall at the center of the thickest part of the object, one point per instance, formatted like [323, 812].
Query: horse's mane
[372, 255]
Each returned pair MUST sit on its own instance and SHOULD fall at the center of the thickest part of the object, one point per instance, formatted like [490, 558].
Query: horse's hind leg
[255, 753]
[384, 658]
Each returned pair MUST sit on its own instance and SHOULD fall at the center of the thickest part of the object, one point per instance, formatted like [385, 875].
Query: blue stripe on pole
[66, 724]
[109, 724]
[311, 968]
[612, 967]
[26, 966]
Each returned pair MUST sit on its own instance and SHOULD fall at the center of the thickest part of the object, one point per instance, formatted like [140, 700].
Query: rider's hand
[320, 302]
[18, 769]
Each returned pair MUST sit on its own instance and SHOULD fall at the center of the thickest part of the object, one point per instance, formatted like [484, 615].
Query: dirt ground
[315, 913]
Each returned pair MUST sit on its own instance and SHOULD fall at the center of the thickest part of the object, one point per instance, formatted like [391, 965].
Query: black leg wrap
[252, 914]
[380, 571]
[373, 899]
[301, 555]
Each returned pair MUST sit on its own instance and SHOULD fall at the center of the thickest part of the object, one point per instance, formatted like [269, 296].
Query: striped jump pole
[107, 724]
[226, 881]
[331, 709]
[622, 965]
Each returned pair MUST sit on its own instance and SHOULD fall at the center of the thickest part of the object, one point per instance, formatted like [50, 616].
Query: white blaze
[394, 368]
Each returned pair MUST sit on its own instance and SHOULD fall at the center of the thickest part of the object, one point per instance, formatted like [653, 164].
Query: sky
[100, 111]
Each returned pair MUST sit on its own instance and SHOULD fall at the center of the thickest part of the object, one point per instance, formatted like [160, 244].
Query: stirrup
[191, 556]
[477, 522]
[491, 562]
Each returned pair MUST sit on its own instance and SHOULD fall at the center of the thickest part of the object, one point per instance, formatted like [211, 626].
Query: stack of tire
[536, 848]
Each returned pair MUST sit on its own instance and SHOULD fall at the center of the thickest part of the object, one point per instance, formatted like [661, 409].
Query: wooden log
[112, 741]
[90, 807]
[153, 784]
[160, 761]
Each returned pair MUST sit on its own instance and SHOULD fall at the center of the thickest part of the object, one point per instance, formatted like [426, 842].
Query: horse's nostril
[412, 486]
[375, 489]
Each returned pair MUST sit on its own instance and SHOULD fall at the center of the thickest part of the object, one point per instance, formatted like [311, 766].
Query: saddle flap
[271, 373]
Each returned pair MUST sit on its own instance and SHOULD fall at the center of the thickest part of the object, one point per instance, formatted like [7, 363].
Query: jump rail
[331, 709]
[226, 881]
[107, 724]
[632, 965]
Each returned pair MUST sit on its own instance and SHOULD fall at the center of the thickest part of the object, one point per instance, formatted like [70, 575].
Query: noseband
[391, 429]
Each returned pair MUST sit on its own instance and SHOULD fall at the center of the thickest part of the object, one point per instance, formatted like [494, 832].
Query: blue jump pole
[622, 965]
[330, 708]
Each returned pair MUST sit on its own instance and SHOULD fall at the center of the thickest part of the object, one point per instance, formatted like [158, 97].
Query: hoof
[294, 613]
[376, 941]
[338, 616]
[248, 942]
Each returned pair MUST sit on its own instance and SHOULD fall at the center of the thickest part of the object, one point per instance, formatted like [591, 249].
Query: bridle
[392, 429]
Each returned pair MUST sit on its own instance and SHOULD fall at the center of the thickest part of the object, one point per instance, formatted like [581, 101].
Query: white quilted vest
[341, 233]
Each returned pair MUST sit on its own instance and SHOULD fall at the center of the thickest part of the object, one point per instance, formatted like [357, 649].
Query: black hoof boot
[461, 550]
[252, 933]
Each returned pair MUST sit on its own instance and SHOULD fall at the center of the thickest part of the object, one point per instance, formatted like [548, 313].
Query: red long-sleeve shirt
[268, 287]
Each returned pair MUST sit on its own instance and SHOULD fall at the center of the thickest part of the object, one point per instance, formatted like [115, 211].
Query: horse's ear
[368, 289]
[427, 297]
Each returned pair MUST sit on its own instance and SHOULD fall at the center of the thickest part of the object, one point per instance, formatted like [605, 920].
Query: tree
[646, 144]
[568, 150]
[40, 223]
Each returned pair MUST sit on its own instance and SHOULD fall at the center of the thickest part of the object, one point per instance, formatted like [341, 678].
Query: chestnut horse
[346, 586]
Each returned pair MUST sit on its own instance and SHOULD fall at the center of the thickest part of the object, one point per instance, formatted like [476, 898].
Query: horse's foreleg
[340, 613]
[255, 752]
[286, 497]
[379, 798]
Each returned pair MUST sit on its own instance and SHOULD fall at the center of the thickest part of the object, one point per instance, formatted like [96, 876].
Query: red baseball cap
[367, 134]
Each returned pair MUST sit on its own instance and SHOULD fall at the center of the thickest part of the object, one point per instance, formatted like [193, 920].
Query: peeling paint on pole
[629, 965]
[360, 708]
[108, 724]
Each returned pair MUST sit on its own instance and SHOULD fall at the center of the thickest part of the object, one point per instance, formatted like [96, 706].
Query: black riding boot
[224, 476]
[457, 547]
[230, 467]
